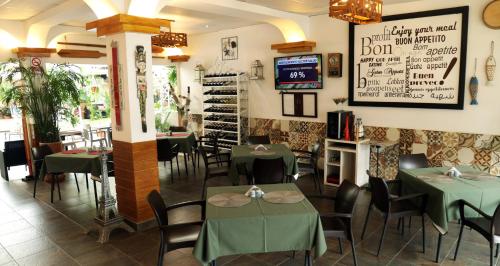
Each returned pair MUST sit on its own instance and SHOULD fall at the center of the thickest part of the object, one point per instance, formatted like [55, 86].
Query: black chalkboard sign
[414, 60]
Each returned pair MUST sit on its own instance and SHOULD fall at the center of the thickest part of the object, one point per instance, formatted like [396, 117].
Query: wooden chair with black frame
[211, 172]
[486, 225]
[174, 236]
[209, 144]
[308, 164]
[391, 206]
[38, 155]
[338, 222]
[254, 140]
[166, 153]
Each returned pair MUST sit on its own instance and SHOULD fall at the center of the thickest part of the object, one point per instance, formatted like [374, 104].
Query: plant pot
[55, 147]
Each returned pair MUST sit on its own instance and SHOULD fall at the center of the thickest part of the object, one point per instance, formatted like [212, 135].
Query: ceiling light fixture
[357, 11]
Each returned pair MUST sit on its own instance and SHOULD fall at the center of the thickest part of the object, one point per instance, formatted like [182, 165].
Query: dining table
[246, 154]
[259, 226]
[444, 192]
[185, 140]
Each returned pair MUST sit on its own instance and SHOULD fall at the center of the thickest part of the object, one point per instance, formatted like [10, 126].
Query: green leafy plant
[45, 95]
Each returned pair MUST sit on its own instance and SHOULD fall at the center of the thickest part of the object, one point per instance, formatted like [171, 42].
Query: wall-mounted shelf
[294, 47]
[346, 160]
[33, 52]
[178, 58]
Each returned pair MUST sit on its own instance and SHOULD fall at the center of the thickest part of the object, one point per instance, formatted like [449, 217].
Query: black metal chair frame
[254, 140]
[312, 157]
[491, 233]
[388, 200]
[345, 217]
[168, 156]
[260, 171]
[209, 171]
[159, 208]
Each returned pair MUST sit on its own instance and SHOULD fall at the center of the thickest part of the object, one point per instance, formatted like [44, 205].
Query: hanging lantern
[357, 11]
[199, 73]
[257, 70]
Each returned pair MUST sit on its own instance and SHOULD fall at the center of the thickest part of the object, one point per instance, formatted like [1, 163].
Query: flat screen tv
[298, 72]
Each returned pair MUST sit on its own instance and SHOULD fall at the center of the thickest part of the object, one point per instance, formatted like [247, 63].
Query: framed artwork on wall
[299, 104]
[229, 48]
[414, 60]
[335, 65]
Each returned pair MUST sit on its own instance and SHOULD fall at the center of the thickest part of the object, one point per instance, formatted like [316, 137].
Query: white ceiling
[305, 7]
[24, 9]
[194, 22]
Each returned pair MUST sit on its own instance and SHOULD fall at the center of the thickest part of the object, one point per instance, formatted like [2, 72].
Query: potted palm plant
[45, 95]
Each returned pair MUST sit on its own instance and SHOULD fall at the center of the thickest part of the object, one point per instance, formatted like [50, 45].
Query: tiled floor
[35, 232]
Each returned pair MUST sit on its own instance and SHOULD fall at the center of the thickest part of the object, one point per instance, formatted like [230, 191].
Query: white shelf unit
[346, 160]
[237, 102]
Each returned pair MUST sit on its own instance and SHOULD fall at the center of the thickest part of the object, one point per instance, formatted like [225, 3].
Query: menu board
[410, 60]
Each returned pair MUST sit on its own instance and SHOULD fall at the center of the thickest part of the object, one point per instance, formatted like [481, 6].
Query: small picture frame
[229, 47]
[334, 65]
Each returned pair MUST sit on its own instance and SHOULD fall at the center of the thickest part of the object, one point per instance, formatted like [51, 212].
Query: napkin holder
[254, 192]
[260, 147]
[453, 172]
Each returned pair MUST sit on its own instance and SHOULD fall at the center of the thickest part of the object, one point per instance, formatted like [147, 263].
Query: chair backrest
[346, 197]
[40, 152]
[177, 129]
[253, 140]
[203, 152]
[14, 153]
[268, 171]
[211, 143]
[315, 151]
[164, 150]
[411, 161]
[87, 133]
[496, 221]
[380, 193]
[159, 208]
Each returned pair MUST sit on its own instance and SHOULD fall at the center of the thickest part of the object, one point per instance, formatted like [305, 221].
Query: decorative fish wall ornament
[473, 85]
[491, 66]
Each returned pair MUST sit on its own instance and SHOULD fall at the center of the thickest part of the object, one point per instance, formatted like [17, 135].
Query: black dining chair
[174, 236]
[486, 225]
[268, 171]
[253, 140]
[308, 164]
[338, 222]
[391, 206]
[412, 161]
[209, 144]
[38, 154]
[217, 171]
[166, 153]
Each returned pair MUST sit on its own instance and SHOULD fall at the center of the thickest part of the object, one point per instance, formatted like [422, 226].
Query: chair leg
[440, 239]
[95, 196]
[186, 164]
[491, 253]
[52, 183]
[161, 252]
[366, 220]
[58, 187]
[340, 246]
[458, 242]
[353, 251]
[76, 180]
[403, 227]
[177, 162]
[496, 253]
[423, 233]
[193, 161]
[34, 187]
[87, 180]
[409, 224]
[172, 171]
[319, 184]
[307, 258]
[204, 188]
[399, 223]
[383, 233]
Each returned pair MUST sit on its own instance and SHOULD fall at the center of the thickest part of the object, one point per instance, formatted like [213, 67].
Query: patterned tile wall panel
[441, 148]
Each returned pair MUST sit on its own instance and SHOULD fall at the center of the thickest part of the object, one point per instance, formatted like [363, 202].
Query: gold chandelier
[357, 11]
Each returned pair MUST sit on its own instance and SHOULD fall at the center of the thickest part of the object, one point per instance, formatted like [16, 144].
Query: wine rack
[225, 108]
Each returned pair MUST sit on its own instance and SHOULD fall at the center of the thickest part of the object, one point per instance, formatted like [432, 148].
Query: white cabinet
[346, 160]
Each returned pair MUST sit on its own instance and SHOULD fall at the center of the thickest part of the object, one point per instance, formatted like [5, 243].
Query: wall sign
[410, 60]
[116, 85]
[335, 65]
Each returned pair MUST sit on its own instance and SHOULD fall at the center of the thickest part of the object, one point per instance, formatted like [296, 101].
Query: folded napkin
[260, 147]
[453, 172]
[254, 191]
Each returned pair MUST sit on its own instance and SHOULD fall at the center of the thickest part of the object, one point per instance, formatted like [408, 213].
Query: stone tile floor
[36, 232]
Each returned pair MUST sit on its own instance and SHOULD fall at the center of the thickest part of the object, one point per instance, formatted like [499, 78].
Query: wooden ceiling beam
[294, 47]
[33, 52]
[127, 23]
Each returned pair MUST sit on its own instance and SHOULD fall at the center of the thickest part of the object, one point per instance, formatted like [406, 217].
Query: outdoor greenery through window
[163, 78]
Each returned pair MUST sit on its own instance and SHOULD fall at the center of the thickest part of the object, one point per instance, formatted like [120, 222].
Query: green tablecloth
[185, 140]
[243, 154]
[259, 226]
[71, 163]
[442, 205]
